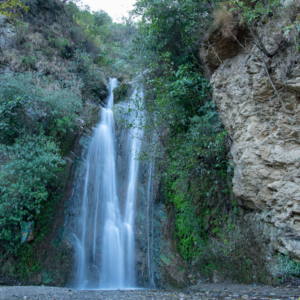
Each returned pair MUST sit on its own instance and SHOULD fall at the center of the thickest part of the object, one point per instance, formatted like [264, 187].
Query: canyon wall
[265, 134]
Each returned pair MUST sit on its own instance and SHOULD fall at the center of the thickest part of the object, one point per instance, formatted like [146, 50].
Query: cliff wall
[265, 135]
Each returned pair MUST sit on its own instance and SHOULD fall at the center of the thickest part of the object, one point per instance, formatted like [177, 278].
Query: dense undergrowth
[182, 115]
[54, 71]
[183, 129]
[55, 62]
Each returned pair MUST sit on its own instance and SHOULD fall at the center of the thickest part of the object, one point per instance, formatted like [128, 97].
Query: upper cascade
[105, 241]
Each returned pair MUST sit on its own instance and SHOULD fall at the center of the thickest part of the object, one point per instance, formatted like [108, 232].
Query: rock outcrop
[7, 35]
[266, 137]
[217, 48]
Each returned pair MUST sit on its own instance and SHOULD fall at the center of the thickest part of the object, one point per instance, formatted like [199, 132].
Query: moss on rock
[122, 92]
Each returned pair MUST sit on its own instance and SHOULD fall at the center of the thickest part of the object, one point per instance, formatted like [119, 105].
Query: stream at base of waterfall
[105, 247]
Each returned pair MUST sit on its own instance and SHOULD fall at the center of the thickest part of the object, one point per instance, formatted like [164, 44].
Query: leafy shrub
[12, 8]
[101, 18]
[31, 163]
[26, 104]
[63, 45]
[165, 27]
[28, 61]
[37, 6]
[22, 30]
[230, 257]
[37, 117]
[285, 267]
[292, 31]
[194, 165]
[92, 77]
[122, 91]
[196, 186]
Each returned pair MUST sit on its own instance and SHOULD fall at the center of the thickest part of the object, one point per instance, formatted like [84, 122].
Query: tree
[173, 26]
[101, 18]
[12, 8]
[32, 163]
[178, 110]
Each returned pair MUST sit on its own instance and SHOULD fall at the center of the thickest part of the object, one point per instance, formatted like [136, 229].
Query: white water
[150, 226]
[135, 136]
[105, 245]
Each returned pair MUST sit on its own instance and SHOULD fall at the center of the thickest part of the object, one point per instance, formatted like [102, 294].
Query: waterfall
[150, 227]
[104, 242]
[136, 136]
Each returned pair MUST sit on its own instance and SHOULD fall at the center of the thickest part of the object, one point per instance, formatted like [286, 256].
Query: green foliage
[285, 267]
[92, 32]
[258, 12]
[122, 92]
[28, 61]
[30, 164]
[60, 43]
[24, 104]
[253, 10]
[295, 29]
[12, 8]
[172, 26]
[89, 74]
[36, 118]
[188, 229]
[182, 116]
[198, 185]
[120, 46]
[101, 18]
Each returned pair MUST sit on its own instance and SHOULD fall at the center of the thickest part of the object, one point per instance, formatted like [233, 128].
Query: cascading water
[105, 241]
[150, 227]
[136, 136]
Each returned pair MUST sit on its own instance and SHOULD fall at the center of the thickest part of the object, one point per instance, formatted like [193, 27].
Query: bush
[122, 92]
[63, 45]
[27, 102]
[285, 267]
[28, 62]
[92, 77]
[101, 18]
[31, 163]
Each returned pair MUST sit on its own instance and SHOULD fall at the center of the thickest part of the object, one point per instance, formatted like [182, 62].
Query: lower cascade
[104, 243]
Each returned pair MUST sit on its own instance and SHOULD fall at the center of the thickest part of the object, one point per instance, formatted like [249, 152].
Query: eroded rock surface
[217, 48]
[266, 139]
[7, 35]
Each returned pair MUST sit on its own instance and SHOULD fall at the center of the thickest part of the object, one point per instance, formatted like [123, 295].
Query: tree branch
[262, 47]
[266, 69]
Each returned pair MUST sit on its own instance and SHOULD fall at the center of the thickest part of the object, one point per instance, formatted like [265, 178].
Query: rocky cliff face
[7, 35]
[266, 139]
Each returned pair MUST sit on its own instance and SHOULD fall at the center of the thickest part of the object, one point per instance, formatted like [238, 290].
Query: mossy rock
[91, 114]
[100, 93]
[122, 92]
